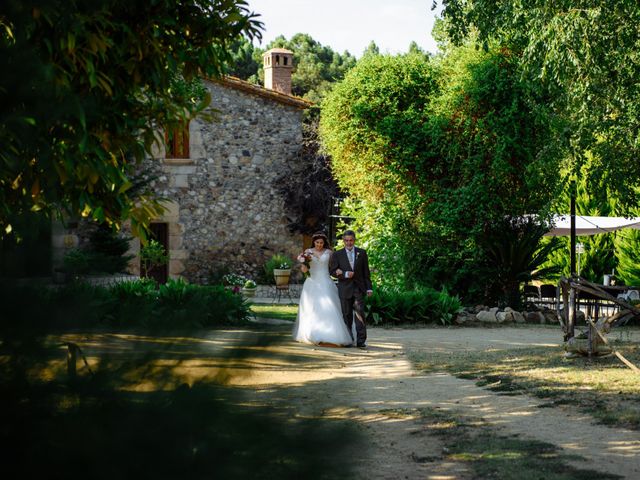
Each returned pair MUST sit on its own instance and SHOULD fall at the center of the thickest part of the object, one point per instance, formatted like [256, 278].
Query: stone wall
[225, 206]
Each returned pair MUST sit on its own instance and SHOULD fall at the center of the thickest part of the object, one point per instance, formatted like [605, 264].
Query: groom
[351, 266]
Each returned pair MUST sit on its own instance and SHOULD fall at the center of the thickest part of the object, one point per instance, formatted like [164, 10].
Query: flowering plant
[305, 259]
[234, 282]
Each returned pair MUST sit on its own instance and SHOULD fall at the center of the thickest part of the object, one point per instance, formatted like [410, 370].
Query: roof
[278, 50]
[242, 85]
[586, 225]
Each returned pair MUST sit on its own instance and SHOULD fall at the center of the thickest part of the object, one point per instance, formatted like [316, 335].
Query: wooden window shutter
[177, 141]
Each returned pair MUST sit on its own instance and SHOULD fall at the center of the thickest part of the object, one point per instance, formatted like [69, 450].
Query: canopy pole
[573, 228]
[571, 314]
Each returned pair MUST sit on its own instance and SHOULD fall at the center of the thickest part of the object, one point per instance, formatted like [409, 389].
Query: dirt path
[364, 385]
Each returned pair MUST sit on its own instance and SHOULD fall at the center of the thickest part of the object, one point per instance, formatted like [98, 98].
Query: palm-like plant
[515, 255]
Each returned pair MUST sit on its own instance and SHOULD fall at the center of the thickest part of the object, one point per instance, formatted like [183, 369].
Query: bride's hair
[321, 235]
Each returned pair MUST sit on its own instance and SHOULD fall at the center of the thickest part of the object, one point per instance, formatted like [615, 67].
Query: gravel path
[362, 385]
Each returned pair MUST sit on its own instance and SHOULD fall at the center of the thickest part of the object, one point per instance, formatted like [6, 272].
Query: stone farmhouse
[222, 178]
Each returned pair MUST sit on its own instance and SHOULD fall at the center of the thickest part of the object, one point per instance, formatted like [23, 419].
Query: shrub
[152, 255]
[77, 261]
[421, 305]
[132, 302]
[108, 250]
[177, 304]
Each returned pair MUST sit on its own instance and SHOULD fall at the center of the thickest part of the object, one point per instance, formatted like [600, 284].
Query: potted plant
[280, 266]
[152, 255]
[249, 288]
[234, 282]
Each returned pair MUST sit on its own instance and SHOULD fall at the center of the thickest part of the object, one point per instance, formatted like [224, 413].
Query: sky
[350, 24]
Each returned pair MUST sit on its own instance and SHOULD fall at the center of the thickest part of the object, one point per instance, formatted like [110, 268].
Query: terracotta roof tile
[238, 84]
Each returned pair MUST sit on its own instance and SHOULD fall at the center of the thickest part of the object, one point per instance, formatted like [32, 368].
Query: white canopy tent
[590, 225]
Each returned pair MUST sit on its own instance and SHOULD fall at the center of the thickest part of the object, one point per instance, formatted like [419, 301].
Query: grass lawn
[602, 386]
[282, 312]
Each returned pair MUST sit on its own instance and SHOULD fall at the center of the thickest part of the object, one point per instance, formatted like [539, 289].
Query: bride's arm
[334, 271]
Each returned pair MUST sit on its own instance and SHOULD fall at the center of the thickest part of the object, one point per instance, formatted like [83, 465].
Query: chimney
[278, 63]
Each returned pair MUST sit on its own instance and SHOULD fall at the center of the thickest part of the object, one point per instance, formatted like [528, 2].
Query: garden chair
[548, 295]
[531, 293]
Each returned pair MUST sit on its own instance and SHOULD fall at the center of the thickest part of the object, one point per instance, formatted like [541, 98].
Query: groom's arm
[367, 273]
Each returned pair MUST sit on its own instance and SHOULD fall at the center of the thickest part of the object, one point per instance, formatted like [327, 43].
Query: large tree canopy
[433, 153]
[585, 54]
[84, 88]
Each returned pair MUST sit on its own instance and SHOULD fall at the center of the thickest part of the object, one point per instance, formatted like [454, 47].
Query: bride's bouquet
[305, 259]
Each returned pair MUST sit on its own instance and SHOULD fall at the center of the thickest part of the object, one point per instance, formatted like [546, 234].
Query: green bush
[176, 304]
[421, 305]
[108, 250]
[152, 255]
[132, 302]
[77, 261]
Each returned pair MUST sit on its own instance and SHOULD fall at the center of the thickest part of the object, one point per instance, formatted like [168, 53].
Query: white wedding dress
[319, 314]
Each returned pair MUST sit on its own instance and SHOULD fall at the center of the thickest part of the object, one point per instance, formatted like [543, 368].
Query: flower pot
[281, 276]
[249, 292]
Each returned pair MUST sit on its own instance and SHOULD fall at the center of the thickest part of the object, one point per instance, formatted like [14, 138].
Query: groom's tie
[350, 257]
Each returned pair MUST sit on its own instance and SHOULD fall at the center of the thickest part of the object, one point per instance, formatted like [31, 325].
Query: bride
[319, 314]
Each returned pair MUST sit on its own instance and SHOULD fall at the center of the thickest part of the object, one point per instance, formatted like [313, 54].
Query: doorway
[160, 233]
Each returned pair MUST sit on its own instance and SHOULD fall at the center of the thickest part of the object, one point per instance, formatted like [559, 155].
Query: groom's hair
[349, 233]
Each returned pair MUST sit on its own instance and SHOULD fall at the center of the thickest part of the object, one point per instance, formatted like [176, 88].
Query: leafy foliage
[176, 304]
[277, 261]
[152, 255]
[84, 88]
[109, 250]
[515, 255]
[584, 55]
[310, 189]
[592, 199]
[434, 152]
[246, 60]
[390, 305]
[627, 252]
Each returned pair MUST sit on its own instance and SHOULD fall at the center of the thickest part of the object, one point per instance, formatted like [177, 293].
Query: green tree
[627, 251]
[85, 86]
[593, 198]
[437, 151]
[584, 54]
[516, 255]
[309, 190]
[372, 49]
[315, 66]
[108, 250]
[414, 48]
[246, 60]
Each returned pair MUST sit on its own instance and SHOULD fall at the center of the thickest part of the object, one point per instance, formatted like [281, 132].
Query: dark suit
[352, 290]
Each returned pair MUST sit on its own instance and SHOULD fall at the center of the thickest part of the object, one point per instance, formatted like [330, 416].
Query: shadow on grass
[601, 386]
[99, 427]
[492, 454]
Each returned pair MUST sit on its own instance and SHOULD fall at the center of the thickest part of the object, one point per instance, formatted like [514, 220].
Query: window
[177, 141]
